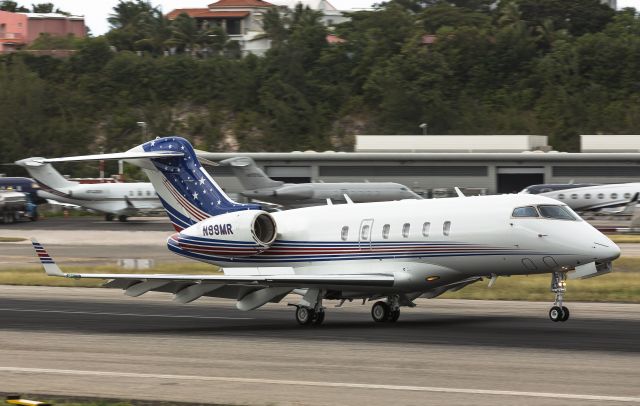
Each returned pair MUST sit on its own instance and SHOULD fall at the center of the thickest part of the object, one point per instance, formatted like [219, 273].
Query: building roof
[206, 13]
[52, 15]
[240, 3]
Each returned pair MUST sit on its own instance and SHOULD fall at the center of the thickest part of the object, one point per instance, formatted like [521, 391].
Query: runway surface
[98, 342]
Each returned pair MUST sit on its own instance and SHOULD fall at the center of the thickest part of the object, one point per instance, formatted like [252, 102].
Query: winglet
[47, 262]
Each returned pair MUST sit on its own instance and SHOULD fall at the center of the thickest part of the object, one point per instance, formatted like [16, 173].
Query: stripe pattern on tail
[44, 256]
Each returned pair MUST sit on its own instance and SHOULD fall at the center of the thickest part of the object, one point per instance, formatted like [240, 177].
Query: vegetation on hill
[560, 68]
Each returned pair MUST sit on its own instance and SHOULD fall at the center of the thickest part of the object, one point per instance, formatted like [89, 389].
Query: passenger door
[364, 235]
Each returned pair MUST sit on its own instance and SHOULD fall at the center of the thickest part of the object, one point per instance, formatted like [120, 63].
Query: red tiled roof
[334, 39]
[206, 13]
[240, 3]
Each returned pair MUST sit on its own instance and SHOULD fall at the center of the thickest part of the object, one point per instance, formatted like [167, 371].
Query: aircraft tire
[122, 219]
[108, 217]
[304, 315]
[394, 315]
[565, 314]
[556, 314]
[380, 312]
[318, 317]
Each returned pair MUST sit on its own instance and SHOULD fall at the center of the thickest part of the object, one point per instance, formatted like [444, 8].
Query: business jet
[388, 252]
[112, 199]
[613, 197]
[258, 186]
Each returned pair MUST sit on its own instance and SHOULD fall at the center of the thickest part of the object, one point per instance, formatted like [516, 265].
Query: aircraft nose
[607, 250]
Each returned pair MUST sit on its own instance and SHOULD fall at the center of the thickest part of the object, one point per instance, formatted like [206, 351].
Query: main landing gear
[559, 286]
[310, 309]
[388, 311]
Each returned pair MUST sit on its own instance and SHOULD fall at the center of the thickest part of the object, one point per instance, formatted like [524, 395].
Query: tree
[46, 8]
[12, 6]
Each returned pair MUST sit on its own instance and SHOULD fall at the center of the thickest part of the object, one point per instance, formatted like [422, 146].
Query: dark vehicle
[27, 186]
[16, 206]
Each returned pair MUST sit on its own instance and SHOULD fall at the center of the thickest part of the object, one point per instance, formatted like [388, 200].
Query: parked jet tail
[46, 175]
[185, 188]
[249, 174]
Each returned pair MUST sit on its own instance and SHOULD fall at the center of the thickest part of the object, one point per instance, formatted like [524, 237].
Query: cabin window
[139, 192]
[528, 211]
[600, 195]
[446, 228]
[561, 196]
[344, 234]
[574, 195]
[131, 193]
[614, 195]
[627, 195]
[405, 229]
[385, 231]
[148, 193]
[556, 212]
[425, 228]
[587, 196]
[364, 233]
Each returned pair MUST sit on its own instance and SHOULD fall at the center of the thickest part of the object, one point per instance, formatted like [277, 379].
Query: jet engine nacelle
[231, 235]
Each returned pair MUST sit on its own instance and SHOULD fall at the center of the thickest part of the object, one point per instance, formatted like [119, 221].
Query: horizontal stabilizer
[114, 156]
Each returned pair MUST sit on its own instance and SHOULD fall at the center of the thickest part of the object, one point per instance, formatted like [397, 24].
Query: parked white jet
[259, 186]
[112, 199]
[592, 197]
[395, 250]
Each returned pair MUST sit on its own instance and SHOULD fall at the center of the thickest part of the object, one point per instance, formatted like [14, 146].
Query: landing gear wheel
[565, 314]
[394, 315]
[380, 312]
[304, 315]
[122, 219]
[108, 217]
[318, 317]
[556, 314]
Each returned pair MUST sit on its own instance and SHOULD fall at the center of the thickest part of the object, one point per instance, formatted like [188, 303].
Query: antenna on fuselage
[347, 198]
[329, 202]
[459, 192]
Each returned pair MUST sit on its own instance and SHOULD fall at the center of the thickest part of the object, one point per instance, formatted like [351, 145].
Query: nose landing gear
[559, 286]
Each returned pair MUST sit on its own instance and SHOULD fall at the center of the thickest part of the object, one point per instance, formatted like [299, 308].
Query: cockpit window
[556, 212]
[528, 211]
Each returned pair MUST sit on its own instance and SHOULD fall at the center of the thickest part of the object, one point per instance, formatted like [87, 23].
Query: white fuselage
[596, 197]
[116, 198]
[451, 239]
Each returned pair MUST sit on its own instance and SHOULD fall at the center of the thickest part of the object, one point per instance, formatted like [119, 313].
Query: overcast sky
[96, 12]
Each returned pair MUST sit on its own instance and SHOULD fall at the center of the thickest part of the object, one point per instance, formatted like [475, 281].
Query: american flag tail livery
[185, 188]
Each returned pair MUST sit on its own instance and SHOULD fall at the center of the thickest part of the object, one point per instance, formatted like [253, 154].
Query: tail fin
[185, 188]
[46, 175]
[249, 174]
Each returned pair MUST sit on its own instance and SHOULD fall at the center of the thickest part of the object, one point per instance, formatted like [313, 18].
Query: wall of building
[13, 30]
[55, 26]
[424, 172]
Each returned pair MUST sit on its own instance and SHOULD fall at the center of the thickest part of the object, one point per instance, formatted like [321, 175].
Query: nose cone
[606, 250]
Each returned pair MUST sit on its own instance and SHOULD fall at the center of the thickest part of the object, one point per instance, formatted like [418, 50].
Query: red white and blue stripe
[302, 251]
[42, 253]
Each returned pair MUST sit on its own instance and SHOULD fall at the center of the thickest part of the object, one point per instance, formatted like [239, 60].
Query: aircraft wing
[137, 284]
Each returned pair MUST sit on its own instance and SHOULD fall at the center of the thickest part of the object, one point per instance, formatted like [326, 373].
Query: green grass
[35, 276]
[623, 285]
[624, 238]
[12, 239]
[613, 287]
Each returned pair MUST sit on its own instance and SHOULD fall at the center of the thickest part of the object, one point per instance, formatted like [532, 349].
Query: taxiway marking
[570, 396]
[124, 314]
